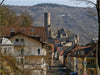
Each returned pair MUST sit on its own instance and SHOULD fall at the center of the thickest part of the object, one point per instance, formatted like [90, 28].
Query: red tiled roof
[82, 48]
[29, 31]
[79, 47]
[90, 51]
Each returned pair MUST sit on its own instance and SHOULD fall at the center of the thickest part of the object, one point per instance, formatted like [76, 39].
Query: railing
[19, 44]
[91, 66]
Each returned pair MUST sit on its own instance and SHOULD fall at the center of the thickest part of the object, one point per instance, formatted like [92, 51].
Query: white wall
[31, 46]
[7, 50]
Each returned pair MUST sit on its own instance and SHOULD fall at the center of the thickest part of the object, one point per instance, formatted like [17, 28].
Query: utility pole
[98, 44]
[1, 39]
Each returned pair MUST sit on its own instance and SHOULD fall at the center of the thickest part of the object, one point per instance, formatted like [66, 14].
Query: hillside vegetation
[81, 21]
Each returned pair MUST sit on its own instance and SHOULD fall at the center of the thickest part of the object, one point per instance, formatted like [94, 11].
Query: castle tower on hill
[47, 24]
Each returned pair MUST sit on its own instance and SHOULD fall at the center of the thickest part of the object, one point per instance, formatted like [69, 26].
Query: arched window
[38, 51]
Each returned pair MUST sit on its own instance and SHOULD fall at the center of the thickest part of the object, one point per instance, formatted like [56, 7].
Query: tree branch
[87, 1]
[2, 2]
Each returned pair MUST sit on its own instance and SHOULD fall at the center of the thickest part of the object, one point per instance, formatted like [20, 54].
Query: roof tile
[29, 31]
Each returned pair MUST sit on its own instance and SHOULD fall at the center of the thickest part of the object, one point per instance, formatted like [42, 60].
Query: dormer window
[23, 30]
[12, 30]
[32, 29]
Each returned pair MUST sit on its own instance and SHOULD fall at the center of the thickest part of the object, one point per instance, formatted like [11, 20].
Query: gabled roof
[90, 51]
[87, 49]
[62, 31]
[5, 41]
[29, 31]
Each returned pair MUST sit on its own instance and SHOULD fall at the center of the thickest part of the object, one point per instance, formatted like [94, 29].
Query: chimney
[12, 32]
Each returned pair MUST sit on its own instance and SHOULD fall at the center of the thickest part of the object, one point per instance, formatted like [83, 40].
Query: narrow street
[57, 69]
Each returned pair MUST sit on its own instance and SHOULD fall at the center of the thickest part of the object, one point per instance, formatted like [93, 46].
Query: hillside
[81, 21]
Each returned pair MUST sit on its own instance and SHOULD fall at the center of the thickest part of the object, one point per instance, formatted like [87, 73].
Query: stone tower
[47, 23]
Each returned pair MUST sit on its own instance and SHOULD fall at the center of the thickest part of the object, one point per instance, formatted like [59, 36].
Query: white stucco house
[27, 45]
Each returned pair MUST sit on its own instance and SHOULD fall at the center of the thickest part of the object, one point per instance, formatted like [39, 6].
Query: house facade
[26, 44]
[82, 60]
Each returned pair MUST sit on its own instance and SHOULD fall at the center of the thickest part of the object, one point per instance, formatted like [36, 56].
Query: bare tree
[2, 2]
[97, 4]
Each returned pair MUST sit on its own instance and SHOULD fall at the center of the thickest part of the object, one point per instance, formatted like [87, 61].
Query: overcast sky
[34, 2]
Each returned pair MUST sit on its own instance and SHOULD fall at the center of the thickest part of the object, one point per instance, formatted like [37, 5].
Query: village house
[27, 45]
[82, 60]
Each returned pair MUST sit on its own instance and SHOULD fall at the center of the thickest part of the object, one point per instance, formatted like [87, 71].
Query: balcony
[19, 44]
[91, 66]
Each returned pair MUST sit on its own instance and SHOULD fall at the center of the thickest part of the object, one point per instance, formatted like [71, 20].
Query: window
[91, 62]
[17, 40]
[12, 30]
[21, 51]
[38, 51]
[22, 40]
[0, 40]
[9, 50]
[32, 30]
[20, 60]
[23, 30]
[78, 52]
[75, 52]
[5, 50]
[82, 52]
[92, 72]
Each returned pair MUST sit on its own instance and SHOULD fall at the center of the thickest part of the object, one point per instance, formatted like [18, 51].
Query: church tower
[47, 24]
